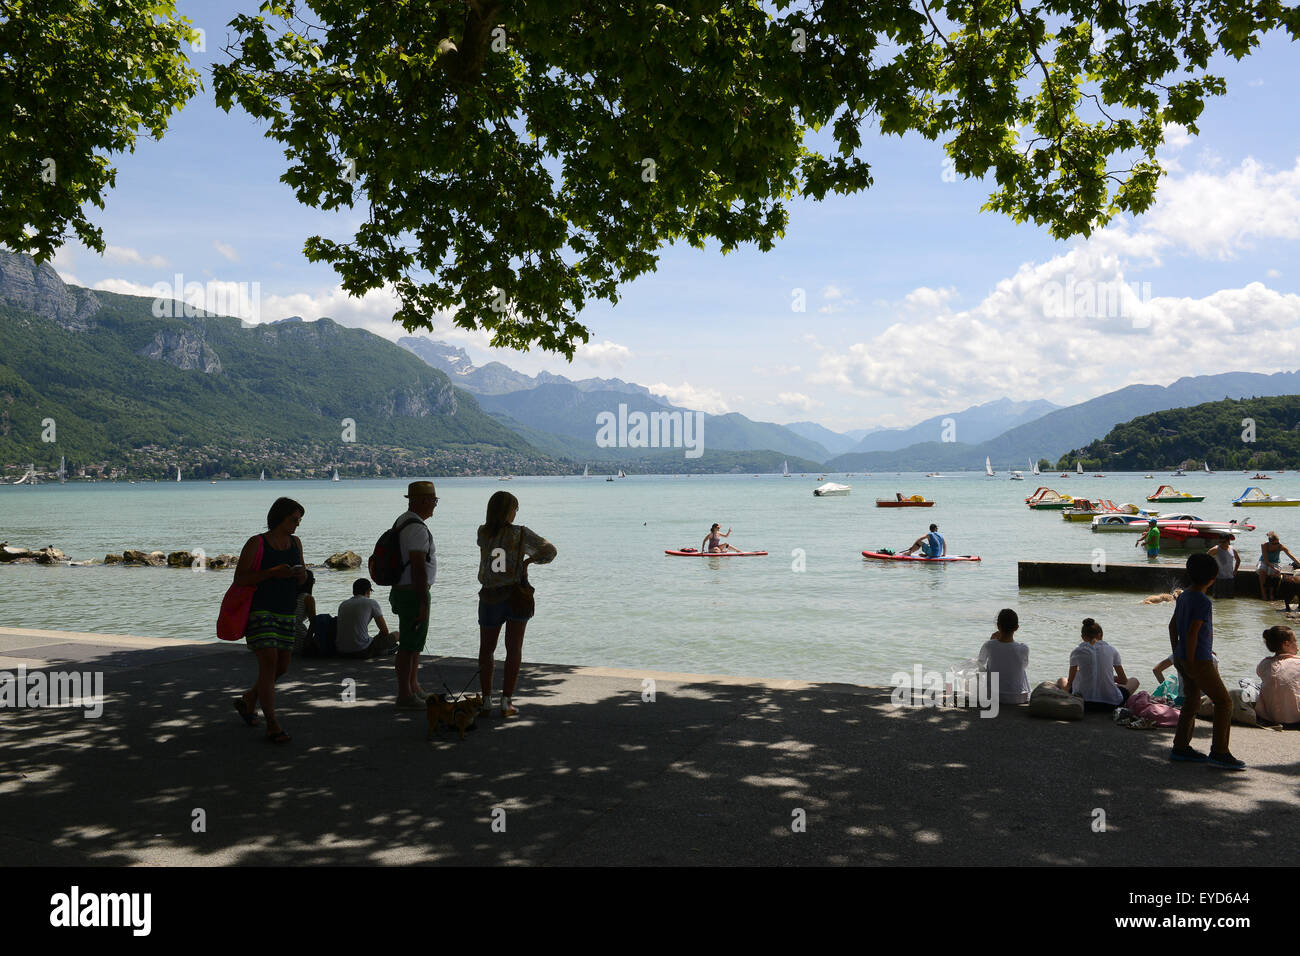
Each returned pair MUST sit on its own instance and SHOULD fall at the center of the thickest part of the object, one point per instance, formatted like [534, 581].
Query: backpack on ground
[1054, 703]
[322, 637]
[386, 565]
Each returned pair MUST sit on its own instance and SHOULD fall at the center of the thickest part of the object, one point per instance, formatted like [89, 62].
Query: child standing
[1001, 655]
[1191, 633]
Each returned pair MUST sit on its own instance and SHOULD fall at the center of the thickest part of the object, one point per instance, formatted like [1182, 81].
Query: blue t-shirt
[934, 544]
[1194, 606]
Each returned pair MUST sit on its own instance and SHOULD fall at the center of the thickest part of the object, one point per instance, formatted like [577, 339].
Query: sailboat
[1033, 466]
[336, 475]
[785, 469]
[63, 470]
[263, 478]
[586, 473]
[1207, 468]
[620, 473]
[988, 467]
[178, 472]
[1078, 467]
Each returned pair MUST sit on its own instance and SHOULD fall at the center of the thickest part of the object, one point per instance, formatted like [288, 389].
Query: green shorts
[406, 605]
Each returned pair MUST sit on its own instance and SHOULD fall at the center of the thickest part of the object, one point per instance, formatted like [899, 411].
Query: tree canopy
[79, 79]
[518, 158]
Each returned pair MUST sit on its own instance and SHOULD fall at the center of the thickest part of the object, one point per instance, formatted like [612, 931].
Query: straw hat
[420, 489]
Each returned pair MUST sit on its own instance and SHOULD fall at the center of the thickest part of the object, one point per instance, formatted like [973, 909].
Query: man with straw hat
[410, 596]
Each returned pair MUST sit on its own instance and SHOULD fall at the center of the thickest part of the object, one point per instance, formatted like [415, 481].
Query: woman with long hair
[270, 630]
[505, 552]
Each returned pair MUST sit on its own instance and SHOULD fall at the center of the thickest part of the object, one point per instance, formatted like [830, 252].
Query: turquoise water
[614, 598]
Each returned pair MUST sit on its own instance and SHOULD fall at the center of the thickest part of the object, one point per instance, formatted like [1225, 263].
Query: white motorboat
[1017, 476]
[831, 488]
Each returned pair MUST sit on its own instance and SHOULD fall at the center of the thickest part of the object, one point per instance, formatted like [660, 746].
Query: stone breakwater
[130, 557]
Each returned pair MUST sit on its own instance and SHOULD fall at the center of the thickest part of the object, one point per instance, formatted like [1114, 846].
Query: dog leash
[450, 695]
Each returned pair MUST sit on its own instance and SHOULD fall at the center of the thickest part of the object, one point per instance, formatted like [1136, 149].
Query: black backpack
[386, 565]
[322, 638]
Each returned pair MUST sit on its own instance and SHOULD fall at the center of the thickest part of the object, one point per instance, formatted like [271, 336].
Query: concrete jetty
[603, 766]
[1112, 576]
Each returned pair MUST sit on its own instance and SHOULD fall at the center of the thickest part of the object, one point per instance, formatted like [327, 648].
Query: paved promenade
[711, 772]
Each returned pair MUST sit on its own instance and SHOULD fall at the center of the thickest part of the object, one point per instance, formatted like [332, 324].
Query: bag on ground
[1054, 703]
[322, 640]
[1141, 704]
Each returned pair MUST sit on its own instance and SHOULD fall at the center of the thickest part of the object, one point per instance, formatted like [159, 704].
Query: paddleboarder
[713, 540]
[931, 545]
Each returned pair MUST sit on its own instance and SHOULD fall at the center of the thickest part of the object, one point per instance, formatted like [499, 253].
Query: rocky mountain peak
[38, 289]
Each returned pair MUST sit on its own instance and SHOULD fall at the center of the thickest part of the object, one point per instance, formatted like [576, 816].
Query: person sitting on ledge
[1279, 692]
[1095, 672]
[1001, 655]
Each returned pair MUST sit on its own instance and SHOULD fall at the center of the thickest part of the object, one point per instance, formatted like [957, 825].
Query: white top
[355, 615]
[1227, 558]
[300, 621]
[1008, 660]
[416, 537]
[1095, 680]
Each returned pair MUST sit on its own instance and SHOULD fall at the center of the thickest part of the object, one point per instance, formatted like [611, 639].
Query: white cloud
[776, 370]
[797, 400]
[132, 257]
[227, 251]
[688, 396]
[603, 354]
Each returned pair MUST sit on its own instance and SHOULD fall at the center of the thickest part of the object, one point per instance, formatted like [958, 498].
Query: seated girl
[1095, 672]
[1001, 655]
[1279, 693]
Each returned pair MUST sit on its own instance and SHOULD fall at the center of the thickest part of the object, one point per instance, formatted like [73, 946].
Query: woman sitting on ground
[1279, 693]
[1001, 655]
[1095, 672]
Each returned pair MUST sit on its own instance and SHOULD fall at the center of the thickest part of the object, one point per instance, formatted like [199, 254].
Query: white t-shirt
[1227, 558]
[1008, 660]
[355, 615]
[1095, 680]
[416, 537]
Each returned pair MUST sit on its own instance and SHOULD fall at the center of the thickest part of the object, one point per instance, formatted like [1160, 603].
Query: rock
[112, 559]
[131, 556]
[222, 562]
[49, 555]
[13, 554]
[180, 559]
[32, 288]
[156, 559]
[343, 561]
[186, 350]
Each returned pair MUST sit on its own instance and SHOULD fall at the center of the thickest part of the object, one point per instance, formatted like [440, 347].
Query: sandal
[279, 737]
[250, 716]
[511, 711]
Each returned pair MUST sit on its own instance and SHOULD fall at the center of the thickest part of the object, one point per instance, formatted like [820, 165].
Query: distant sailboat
[1035, 467]
[1078, 466]
[586, 473]
[63, 470]
[336, 475]
[785, 469]
[620, 473]
[178, 472]
[263, 478]
[988, 467]
[1207, 468]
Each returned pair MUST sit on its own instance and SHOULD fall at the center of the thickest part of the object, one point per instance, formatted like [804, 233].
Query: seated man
[931, 545]
[355, 615]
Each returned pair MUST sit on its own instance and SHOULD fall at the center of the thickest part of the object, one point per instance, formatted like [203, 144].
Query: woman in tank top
[270, 630]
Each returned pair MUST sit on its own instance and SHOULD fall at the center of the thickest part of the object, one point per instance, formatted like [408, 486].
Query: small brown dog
[461, 714]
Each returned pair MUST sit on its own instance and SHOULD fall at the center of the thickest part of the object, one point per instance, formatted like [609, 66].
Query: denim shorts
[494, 615]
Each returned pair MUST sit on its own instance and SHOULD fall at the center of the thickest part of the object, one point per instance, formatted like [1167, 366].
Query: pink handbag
[233, 617]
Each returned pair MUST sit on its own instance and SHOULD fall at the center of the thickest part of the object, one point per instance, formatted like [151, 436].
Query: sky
[917, 303]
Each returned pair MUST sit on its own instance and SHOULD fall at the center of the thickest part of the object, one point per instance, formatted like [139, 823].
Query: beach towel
[1054, 703]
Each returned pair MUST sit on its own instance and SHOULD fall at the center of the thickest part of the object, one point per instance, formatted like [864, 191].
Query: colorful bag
[1160, 715]
[233, 617]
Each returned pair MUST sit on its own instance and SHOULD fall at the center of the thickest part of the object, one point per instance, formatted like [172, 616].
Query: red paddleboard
[695, 553]
[916, 557]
